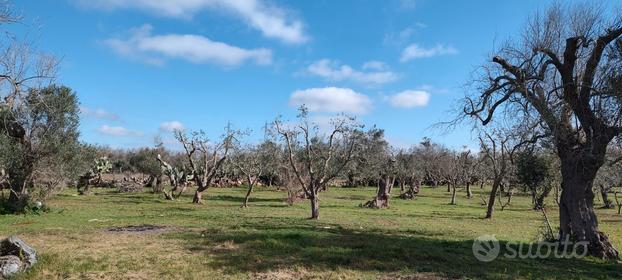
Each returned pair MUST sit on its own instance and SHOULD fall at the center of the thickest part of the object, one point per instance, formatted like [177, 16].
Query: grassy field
[420, 239]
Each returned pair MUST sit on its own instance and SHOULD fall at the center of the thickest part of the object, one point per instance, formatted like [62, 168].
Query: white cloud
[117, 131]
[375, 65]
[171, 126]
[98, 113]
[416, 51]
[331, 99]
[271, 21]
[433, 89]
[154, 49]
[410, 99]
[334, 71]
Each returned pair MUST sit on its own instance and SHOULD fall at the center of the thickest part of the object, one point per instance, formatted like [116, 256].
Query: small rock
[9, 265]
[13, 245]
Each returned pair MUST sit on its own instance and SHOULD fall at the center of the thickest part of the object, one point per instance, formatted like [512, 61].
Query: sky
[142, 68]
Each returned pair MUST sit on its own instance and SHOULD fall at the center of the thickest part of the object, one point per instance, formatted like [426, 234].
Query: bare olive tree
[470, 166]
[434, 159]
[316, 158]
[451, 173]
[558, 74]
[496, 150]
[250, 161]
[204, 157]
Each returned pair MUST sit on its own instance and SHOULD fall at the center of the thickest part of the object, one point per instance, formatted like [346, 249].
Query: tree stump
[15, 256]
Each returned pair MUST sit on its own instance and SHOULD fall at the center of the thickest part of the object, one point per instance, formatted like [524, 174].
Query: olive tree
[409, 168]
[496, 149]
[434, 158]
[532, 170]
[559, 75]
[38, 140]
[251, 161]
[317, 157]
[204, 157]
[271, 162]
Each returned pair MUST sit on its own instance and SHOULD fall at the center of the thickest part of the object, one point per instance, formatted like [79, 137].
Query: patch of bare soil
[139, 229]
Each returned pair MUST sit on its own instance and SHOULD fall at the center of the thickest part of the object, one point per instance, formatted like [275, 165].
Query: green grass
[424, 237]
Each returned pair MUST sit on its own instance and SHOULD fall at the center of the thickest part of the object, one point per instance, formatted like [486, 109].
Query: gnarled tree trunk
[577, 219]
[412, 191]
[382, 195]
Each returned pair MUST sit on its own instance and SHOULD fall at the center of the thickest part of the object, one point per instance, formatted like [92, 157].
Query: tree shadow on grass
[260, 248]
[240, 199]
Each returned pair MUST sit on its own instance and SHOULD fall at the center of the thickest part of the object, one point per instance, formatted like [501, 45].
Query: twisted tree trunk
[577, 219]
[412, 191]
[382, 195]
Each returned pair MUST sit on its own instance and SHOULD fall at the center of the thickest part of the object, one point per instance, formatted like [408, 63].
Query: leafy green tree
[532, 171]
[38, 140]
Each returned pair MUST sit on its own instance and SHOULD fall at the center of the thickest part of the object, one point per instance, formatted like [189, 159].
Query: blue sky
[143, 67]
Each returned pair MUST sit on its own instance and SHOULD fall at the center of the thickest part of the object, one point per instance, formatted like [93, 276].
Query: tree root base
[376, 203]
[602, 248]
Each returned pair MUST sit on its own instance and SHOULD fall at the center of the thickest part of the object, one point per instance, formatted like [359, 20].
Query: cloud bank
[331, 99]
[270, 20]
[141, 44]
